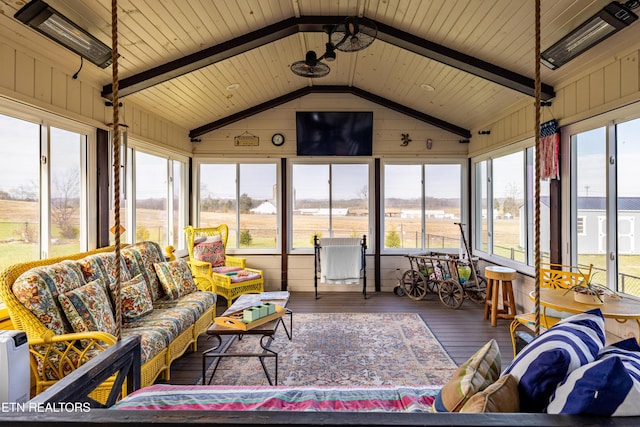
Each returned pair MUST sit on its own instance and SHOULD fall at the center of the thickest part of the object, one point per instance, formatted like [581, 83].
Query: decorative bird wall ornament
[405, 140]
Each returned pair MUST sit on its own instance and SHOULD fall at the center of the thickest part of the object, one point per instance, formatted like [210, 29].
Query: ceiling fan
[352, 35]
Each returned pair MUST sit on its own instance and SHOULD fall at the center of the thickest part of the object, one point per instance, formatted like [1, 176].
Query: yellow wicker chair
[222, 283]
[555, 276]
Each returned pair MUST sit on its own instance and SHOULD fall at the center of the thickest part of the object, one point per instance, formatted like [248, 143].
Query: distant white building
[265, 208]
[323, 211]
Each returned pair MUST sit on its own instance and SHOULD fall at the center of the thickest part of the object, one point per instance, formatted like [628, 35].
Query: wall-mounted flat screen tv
[334, 133]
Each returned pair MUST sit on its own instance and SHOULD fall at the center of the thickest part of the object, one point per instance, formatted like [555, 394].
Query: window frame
[237, 161]
[88, 178]
[609, 120]
[524, 146]
[423, 162]
[135, 145]
[369, 161]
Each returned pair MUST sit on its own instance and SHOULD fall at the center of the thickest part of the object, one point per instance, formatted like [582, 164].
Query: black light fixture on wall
[48, 21]
[611, 19]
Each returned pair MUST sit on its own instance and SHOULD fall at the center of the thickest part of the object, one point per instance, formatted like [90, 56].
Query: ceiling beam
[461, 61]
[290, 26]
[330, 89]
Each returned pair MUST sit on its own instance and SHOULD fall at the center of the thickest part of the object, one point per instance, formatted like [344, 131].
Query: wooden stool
[496, 276]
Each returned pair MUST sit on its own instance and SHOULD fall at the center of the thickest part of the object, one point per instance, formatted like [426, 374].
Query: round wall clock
[277, 139]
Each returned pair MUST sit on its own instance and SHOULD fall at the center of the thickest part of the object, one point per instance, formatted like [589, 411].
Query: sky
[20, 167]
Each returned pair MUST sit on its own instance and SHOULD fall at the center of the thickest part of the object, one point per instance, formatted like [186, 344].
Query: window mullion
[612, 208]
[45, 191]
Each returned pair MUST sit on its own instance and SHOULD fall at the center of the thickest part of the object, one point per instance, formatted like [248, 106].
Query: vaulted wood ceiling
[179, 57]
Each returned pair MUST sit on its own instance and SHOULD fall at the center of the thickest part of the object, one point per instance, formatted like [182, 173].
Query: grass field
[263, 229]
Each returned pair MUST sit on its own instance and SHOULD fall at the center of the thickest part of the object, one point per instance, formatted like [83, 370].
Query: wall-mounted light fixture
[48, 21]
[484, 132]
[611, 19]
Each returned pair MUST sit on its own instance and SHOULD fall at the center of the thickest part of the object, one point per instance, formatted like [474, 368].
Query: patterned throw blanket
[281, 398]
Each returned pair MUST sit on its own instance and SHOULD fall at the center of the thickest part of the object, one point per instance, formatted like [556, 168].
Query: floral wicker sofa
[67, 309]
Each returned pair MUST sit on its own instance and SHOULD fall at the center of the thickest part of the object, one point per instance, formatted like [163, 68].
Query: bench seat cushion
[199, 301]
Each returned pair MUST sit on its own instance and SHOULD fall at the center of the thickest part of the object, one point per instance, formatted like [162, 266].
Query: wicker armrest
[199, 268]
[234, 261]
[52, 358]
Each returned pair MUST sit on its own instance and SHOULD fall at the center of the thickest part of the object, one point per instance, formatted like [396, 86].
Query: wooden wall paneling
[8, 69]
[25, 74]
[629, 74]
[42, 81]
[569, 95]
[74, 95]
[596, 88]
[87, 95]
[100, 110]
[612, 84]
[58, 88]
[582, 94]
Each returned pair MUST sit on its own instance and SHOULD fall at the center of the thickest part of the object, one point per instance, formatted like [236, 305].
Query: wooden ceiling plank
[290, 26]
[203, 58]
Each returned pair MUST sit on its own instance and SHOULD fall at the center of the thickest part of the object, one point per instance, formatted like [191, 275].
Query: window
[245, 197]
[43, 187]
[422, 203]
[504, 206]
[607, 200]
[329, 200]
[19, 191]
[160, 198]
[508, 200]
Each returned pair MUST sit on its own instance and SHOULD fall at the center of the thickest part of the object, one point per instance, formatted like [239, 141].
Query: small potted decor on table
[587, 292]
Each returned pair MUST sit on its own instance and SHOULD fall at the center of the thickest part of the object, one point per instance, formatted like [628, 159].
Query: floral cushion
[210, 250]
[140, 258]
[169, 323]
[88, 309]
[197, 301]
[102, 266]
[153, 340]
[38, 289]
[135, 298]
[176, 278]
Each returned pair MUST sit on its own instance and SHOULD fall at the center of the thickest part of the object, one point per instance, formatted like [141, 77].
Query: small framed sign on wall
[246, 140]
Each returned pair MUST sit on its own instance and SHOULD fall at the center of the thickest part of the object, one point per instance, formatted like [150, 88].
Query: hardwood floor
[461, 331]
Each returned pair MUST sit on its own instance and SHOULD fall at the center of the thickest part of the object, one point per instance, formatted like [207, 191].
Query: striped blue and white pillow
[610, 386]
[550, 357]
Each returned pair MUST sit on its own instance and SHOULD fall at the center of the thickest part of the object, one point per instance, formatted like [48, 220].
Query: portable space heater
[14, 367]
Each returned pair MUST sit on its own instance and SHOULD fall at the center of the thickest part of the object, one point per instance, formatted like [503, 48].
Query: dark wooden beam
[290, 26]
[203, 58]
[330, 89]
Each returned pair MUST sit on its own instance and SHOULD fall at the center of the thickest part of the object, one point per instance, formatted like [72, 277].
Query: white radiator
[14, 367]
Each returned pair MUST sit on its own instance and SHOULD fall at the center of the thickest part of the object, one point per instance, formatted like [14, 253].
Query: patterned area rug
[348, 349]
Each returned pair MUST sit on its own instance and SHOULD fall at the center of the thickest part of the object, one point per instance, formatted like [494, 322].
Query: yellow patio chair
[555, 276]
[210, 263]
